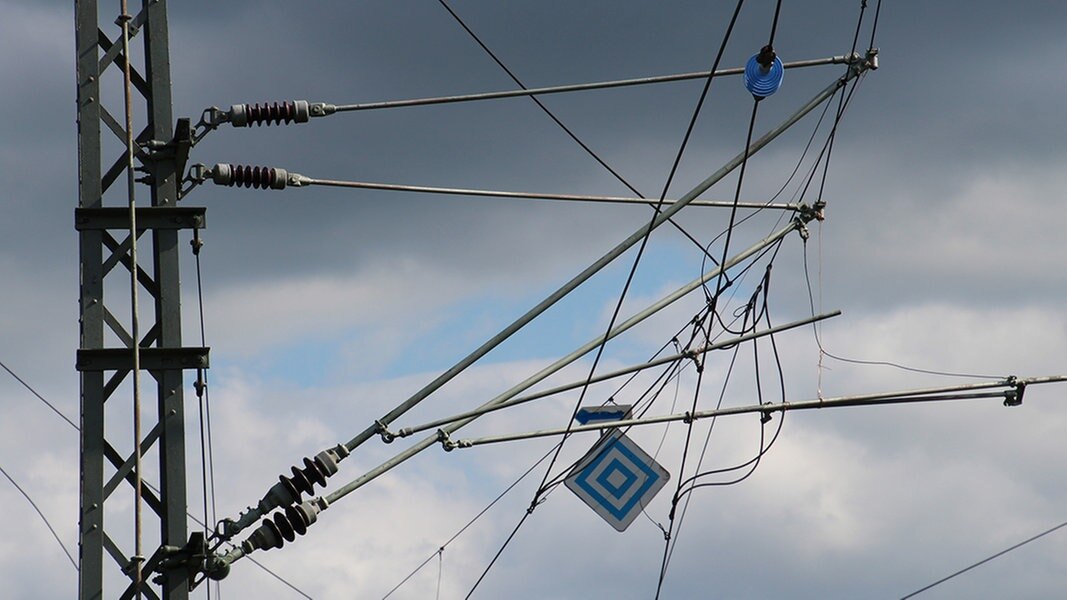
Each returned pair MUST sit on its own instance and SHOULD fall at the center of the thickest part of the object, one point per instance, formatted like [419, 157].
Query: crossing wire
[571, 133]
[150, 486]
[618, 307]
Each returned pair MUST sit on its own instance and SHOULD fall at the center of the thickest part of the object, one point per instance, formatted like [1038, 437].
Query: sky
[324, 308]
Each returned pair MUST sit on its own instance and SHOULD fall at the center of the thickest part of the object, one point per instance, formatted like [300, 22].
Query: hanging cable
[43, 518]
[883, 363]
[644, 240]
[874, 28]
[207, 459]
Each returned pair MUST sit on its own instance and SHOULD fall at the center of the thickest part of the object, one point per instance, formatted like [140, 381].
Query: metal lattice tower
[105, 356]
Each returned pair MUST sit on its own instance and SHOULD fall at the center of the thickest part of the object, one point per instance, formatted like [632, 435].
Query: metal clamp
[387, 436]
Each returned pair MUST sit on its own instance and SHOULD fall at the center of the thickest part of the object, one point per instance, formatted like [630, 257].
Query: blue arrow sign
[610, 412]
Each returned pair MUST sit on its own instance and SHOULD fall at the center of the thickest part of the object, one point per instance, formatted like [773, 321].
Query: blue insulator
[763, 81]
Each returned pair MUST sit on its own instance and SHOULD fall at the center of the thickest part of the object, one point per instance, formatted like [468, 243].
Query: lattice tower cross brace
[107, 463]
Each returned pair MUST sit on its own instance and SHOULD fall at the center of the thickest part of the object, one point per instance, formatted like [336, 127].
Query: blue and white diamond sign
[617, 479]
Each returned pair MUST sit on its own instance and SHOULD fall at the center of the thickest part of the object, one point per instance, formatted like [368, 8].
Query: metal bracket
[1014, 397]
[383, 431]
[446, 440]
[148, 217]
[152, 359]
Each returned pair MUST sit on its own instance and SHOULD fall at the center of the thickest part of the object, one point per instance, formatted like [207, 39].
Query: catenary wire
[712, 304]
[713, 301]
[41, 514]
[536, 499]
[985, 560]
[648, 233]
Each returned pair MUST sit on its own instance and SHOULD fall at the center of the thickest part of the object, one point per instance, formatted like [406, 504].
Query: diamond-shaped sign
[617, 479]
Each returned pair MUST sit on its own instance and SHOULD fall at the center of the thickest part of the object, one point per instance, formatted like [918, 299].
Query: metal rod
[534, 195]
[833, 60]
[963, 392]
[407, 431]
[592, 269]
[138, 556]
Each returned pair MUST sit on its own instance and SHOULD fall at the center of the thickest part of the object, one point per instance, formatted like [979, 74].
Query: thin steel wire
[985, 560]
[43, 518]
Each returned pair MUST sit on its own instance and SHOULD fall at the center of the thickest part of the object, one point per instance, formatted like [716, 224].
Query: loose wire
[883, 363]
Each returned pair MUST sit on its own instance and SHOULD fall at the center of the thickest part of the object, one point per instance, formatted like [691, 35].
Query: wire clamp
[1014, 397]
[383, 430]
[765, 417]
[446, 441]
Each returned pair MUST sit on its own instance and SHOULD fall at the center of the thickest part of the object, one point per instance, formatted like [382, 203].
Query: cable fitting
[284, 526]
[446, 441]
[253, 177]
[1014, 397]
[387, 436]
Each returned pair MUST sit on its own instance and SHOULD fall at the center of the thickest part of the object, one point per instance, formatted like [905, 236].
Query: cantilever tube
[578, 87]
[592, 269]
[405, 432]
[959, 392]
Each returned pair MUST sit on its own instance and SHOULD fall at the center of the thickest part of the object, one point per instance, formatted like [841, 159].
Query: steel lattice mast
[105, 356]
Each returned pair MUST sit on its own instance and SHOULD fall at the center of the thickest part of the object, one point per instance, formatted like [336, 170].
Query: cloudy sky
[325, 308]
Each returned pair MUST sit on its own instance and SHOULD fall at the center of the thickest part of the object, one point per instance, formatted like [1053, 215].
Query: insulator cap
[284, 526]
[246, 115]
[764, 73]
[246, 176]
[315, 472]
